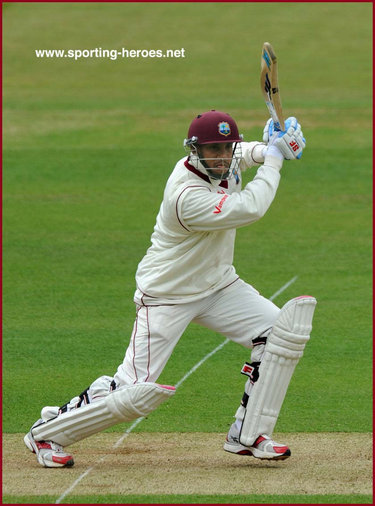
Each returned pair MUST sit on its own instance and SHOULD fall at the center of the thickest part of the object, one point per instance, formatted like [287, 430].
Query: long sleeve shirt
[192, 246]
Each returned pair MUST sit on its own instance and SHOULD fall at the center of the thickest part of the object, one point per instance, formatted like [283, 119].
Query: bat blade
[270, 86]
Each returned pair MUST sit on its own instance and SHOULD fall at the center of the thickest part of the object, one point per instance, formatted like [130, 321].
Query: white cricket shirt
[192, 246]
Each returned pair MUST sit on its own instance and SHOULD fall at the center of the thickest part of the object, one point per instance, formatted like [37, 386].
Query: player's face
[218, 156]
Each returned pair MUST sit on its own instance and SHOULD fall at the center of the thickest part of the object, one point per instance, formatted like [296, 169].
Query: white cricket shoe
[48, 453]
[263, 447]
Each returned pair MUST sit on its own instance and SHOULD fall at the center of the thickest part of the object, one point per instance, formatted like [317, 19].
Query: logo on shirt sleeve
[220, 204]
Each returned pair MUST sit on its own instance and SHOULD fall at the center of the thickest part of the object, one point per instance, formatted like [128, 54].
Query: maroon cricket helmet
[212, 127]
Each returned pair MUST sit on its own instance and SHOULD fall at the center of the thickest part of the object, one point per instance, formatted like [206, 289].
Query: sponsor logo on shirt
[220, 204]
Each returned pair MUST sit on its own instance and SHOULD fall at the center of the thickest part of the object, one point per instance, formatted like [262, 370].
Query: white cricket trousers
[238, 312]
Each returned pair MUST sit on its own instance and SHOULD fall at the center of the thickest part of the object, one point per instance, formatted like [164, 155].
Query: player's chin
[219, 174]
[220, 169]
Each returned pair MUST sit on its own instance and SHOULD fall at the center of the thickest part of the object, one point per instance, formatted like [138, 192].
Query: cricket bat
[270, 86]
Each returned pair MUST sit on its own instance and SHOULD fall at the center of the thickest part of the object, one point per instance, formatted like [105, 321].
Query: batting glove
[266, 131]
[290, 142]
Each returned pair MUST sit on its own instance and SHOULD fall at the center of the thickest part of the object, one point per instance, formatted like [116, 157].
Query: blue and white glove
[290, 142]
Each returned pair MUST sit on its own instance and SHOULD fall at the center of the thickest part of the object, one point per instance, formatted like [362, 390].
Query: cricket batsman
[187, 275]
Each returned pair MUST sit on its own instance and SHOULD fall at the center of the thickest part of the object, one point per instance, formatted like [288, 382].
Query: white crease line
[284, 287]
[193, 369]
[74, 484]
[128, 431]
[179, 383]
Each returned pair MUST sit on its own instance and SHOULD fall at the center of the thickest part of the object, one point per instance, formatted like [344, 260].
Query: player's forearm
[273, 162]
[258, 153]
[261, 191]
[252, 154]
[206, 211]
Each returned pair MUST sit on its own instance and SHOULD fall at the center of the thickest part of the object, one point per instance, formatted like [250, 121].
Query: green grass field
[88, 147]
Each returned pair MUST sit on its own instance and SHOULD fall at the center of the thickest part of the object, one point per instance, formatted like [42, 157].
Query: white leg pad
[122, 405]
[284, 348]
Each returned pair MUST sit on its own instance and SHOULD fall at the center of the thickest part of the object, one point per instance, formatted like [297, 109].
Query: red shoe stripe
[259, 440]
[43, 445]
[62, 460]
[280, 449]
[277, 449]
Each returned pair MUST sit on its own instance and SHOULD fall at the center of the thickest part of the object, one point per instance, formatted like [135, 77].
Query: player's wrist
[273, 159]
[275, 152]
